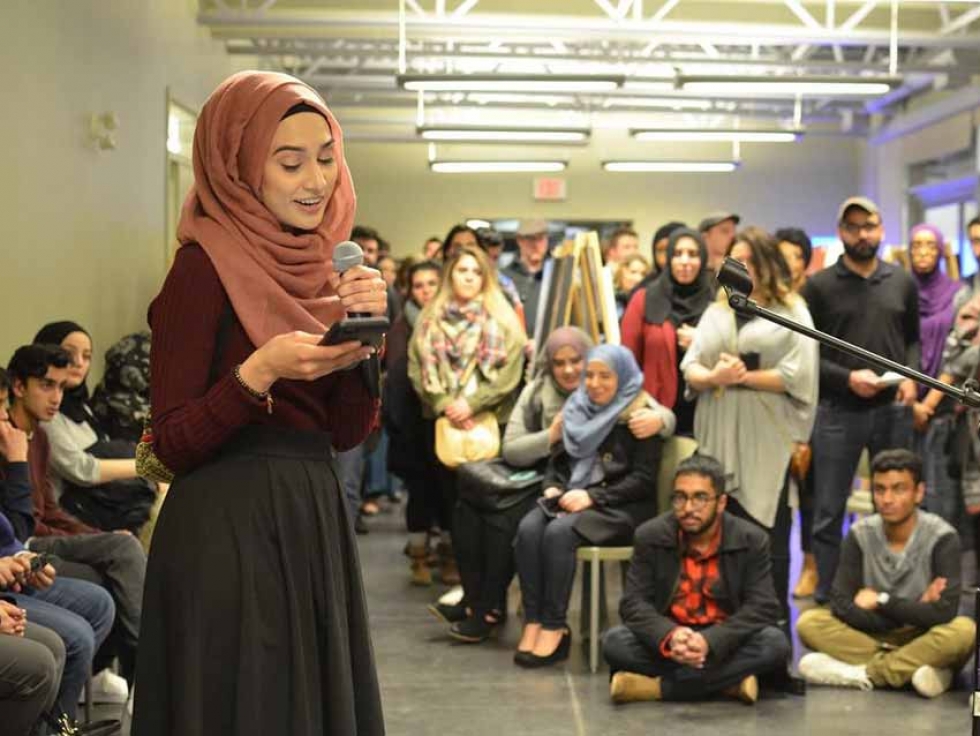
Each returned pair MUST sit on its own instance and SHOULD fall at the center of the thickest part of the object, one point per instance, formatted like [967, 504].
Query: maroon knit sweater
[193, 416]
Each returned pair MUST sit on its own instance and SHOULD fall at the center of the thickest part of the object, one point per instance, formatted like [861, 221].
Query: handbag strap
[468, 373]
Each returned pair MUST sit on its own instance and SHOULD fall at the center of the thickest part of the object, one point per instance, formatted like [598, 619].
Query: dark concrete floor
[432, 685]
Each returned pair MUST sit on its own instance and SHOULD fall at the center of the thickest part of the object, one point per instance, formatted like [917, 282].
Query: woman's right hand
[299, 356]
[728, 371]
[556, 429]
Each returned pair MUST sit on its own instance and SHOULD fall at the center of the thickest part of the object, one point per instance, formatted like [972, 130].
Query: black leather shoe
[472, 630]
[360, 526]
[448, 614]
[531, 661]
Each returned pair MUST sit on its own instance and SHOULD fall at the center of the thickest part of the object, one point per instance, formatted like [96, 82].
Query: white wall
[82, 232]
[778, 184]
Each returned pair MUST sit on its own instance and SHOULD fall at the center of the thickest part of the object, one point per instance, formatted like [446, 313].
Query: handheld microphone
[347, 255]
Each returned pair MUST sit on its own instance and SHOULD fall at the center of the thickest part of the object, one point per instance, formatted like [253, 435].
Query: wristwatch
[883, 599]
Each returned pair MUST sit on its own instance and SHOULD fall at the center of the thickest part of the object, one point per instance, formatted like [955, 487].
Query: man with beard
[699, 610]
[892, 619]
[874, 304]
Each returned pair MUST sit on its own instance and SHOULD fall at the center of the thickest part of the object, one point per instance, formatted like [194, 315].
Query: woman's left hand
[459, 411]
[685, 336]
[361, 290]
[645, 423]
[575, 501]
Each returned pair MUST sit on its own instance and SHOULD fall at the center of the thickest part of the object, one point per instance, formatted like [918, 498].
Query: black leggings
[431, 488]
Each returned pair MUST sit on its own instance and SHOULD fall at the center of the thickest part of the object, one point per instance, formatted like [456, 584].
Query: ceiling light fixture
[497, 167]
[663, 167]
[532, 83]
[502, 134]
[672, 103]
[774, 86]
[729, 135]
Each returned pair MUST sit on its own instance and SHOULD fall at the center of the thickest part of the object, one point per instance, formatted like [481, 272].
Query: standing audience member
[432, 250]
[718, 231]
[94, 475]
[892, 619]
[116, 561]
[973, 235]
[32, 658]
[699, 613]
[623, 243]
[873, 304]
[465, 357]
[632, 270]
[411, 449]
[797, 249]
[601, 483]
[370, 241]
[659, 322]
[757, 394]
[527, 271]
[459, 237]
[658, 249]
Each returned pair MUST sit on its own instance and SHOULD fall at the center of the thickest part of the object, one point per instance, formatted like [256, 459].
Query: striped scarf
[452, 341]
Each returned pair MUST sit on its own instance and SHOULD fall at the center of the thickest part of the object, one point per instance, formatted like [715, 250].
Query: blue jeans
[767, 650]
[944, 496]
[839, 437]
[350, 468]
[545, 554]
[81, 614]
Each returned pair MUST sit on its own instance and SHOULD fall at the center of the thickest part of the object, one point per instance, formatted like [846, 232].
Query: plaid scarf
[460, 335]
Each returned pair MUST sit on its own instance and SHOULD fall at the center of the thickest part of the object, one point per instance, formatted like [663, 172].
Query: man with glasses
[699, 609]
[865, 301]
[892, 619]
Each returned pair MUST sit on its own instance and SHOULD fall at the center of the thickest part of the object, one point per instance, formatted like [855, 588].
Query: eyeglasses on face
[853, 228]
[697, 500]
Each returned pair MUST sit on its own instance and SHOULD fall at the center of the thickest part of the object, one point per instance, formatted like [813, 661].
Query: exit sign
[550, 189]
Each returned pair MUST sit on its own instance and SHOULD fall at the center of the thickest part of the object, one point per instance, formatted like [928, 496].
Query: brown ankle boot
[448, 572]
[747, 691]
[629, 687]
[421, 574]
[807, 584]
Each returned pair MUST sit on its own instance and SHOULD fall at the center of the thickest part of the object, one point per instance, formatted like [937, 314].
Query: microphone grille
[347, 255]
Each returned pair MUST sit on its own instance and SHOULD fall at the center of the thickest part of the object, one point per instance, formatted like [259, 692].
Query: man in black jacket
[699, 609]
[893, 618]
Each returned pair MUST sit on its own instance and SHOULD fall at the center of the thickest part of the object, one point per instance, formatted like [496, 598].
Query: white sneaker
[107, 687]
[822, 669]
[453, 596]
[931, 682]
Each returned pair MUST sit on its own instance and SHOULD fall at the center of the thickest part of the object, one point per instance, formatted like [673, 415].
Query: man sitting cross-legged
[699, 609]
[892, 619]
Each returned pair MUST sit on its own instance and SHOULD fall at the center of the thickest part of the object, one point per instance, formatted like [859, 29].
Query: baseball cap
[532, 227]
[860, 202]
[716, 218]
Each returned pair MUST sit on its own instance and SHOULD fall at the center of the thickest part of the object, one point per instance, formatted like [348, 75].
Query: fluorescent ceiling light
[508, 134]
[712, 135]
[693, 167]
[475, 224]
[674, 103]
[504, 98]
[533, 83]
[830, 86]
[497, 167]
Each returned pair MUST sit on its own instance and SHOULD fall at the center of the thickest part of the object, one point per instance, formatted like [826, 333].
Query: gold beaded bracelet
[265, 396]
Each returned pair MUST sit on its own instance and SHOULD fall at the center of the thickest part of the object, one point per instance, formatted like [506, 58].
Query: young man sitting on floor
[699, 609]
[892, 618]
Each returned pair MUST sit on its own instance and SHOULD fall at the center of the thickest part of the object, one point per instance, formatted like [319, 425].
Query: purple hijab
[936, 294]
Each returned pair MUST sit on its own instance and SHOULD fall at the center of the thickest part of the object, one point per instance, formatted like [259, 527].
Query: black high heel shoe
[530, 660]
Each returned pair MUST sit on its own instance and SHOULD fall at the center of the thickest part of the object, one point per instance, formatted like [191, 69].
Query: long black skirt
[254, 620]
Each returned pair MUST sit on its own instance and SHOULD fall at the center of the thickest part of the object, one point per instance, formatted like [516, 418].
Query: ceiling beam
[960, 22]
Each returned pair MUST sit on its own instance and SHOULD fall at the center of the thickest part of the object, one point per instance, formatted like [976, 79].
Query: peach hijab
[275, 278]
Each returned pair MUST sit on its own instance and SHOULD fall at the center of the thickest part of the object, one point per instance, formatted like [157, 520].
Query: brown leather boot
[448, 572]
[747, 691]
[807, 584]
[421, 574]
[629, 687]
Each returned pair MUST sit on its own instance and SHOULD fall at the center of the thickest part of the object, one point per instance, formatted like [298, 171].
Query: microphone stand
[735, 279]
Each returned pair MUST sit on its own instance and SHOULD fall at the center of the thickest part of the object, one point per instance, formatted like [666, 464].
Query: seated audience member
[757, 396]
[699, 611]
[38, 375]
[599, 486]
[465, 358]
[630, 273]
[121, 402]
[93, 475]
[31, 660]
[659, 322]
[892, 618]
[411, 451]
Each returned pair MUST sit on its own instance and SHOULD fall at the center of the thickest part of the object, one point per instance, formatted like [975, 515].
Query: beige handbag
[455, 446]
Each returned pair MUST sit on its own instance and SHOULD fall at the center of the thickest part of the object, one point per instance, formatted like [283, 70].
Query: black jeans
[545, 553]
[764, 651]
[431, 488]
[484, 546]
[839, 437]
[120, 564]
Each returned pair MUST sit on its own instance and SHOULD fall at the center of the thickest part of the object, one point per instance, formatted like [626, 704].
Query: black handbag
[493, 485]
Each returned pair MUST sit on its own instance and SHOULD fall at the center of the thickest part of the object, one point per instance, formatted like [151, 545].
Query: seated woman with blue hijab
[599, 486]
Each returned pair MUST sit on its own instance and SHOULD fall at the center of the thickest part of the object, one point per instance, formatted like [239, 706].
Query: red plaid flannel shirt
[693, 604]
